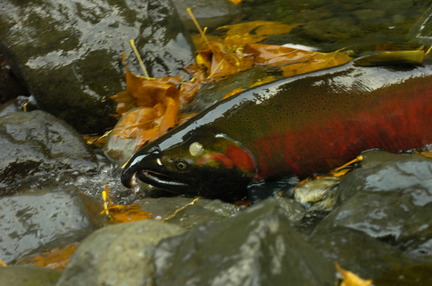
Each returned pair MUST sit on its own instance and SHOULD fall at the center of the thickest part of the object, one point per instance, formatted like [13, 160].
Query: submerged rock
[118, 255]
[28, 276]
[32, 221]
[209, 13]
[69, 52]
[257, 247]
[384, 218]
[39, 146]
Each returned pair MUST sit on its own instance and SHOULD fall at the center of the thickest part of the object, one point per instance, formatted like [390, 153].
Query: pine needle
[132, 44]
[197, 25]
[180, 209]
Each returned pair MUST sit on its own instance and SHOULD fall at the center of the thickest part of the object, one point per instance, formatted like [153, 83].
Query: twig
[180, 209]
[132, 43]
[197, 25]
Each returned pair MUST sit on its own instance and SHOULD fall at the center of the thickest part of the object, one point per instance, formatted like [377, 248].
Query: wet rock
[69, 53]
[39, 146]
[11, 85]
[371, 258]
[118, 255]
[257, 247]
[190, 215]
[422, 31]
[34, 221]
[384, 216]
[20, 103]
[28, 276]
[363, 26]
[209, 13]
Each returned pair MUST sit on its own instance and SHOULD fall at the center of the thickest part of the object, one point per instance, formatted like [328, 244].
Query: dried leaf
[150, 92]
[57, 258]
[253, 32]
[263, 81]
[122, 213]
[235, 1]
[351, 279]
[275, 55]
[157, 102]
[317, 62]
[427, 154]
[218, 61]
[233, 92]
[3, 264]
[125, 101]
[295, 61]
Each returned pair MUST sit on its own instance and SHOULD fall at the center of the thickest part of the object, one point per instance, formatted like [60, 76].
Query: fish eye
[181, 165]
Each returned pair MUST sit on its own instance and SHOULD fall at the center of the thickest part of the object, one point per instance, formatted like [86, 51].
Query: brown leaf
[317, 62]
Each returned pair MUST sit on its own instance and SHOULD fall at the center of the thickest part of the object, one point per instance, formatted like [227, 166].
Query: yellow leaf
[263, 81]
[351, 279]
[57, 258]
[122, 213]
[233, 92]
[414, 57]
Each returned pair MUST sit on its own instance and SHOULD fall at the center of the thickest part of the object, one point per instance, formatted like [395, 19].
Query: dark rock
[389, 198]
[11, 85]
[20, 103]
[371, 258]
[33, 221]
[384, 218]
[194, 214]
[36, 144]
[28, 276]
[257, 247]
[70, 53]
[118, 255]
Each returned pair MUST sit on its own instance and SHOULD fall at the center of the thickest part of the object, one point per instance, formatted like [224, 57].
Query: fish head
[212, 166]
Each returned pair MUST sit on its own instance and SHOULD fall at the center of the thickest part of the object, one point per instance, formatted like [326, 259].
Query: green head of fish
[206, 164]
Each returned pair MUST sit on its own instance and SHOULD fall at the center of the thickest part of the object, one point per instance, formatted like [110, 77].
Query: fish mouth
[160, 180]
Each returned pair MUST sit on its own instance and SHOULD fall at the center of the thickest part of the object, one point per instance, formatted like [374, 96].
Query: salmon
[298, 126]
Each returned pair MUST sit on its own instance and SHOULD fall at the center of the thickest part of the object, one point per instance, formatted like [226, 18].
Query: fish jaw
[220, 167]
[147, 167]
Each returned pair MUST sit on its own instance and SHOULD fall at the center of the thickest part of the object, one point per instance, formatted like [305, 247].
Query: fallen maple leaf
[155, 104]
